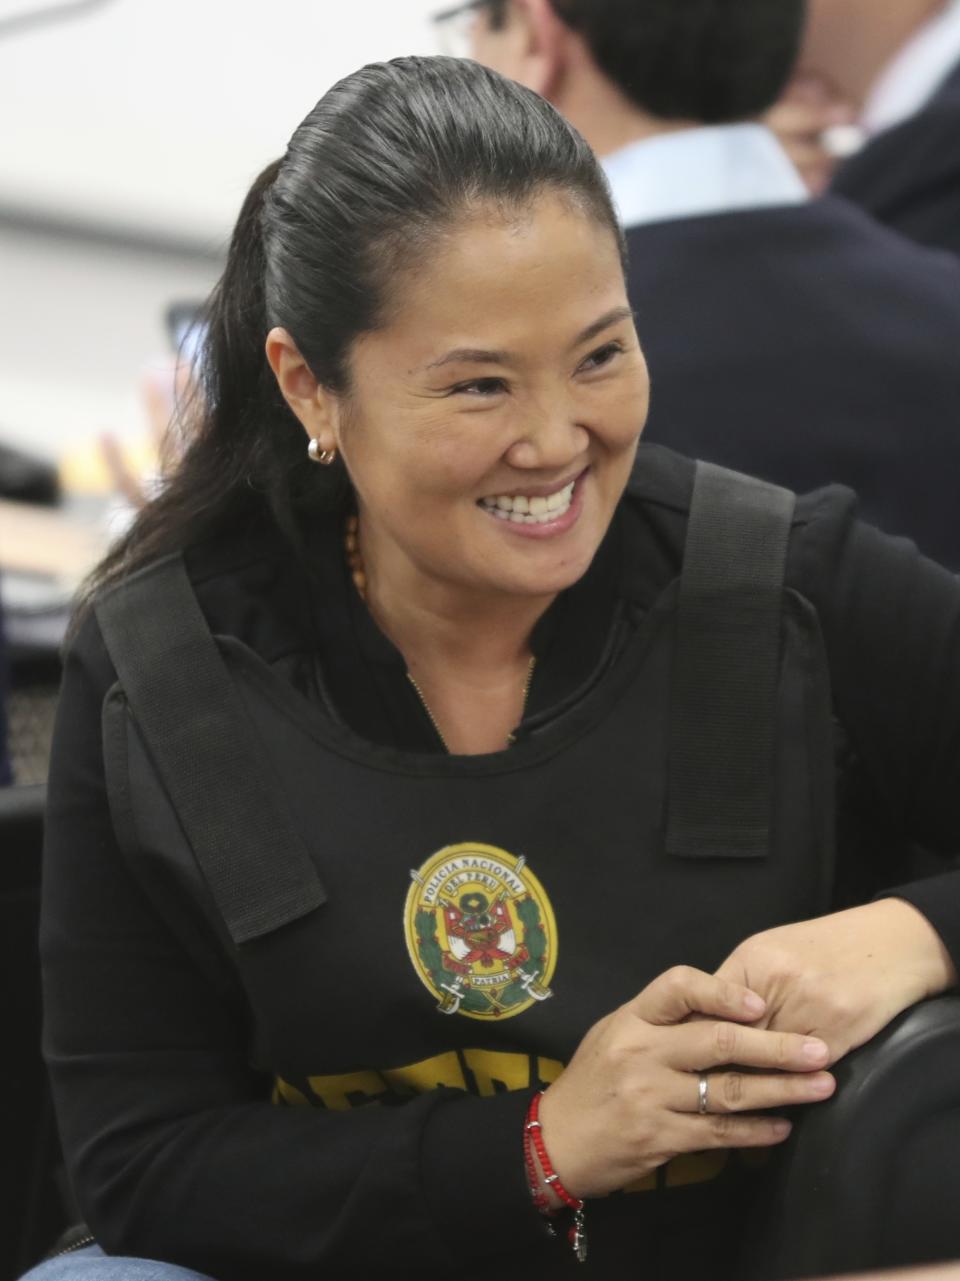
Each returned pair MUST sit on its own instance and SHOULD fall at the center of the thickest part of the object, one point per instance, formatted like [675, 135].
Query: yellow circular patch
[480, 932]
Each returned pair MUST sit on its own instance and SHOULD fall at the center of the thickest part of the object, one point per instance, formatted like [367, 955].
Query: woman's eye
[602, 356]
[479, 387]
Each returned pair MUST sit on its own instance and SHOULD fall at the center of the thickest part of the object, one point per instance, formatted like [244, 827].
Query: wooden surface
[46, 541]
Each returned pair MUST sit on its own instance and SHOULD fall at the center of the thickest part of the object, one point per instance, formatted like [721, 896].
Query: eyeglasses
[454, 27]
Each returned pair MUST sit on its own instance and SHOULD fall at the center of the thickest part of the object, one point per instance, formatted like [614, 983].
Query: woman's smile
[540, 512]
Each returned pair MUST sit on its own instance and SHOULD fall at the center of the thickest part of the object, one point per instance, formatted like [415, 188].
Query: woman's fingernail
[782, 1128]
[814, 1051]
[822, 1085]
[754, 1004]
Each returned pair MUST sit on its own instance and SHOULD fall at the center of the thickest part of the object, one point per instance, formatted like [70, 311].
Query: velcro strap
[726, 675]
[204, 747]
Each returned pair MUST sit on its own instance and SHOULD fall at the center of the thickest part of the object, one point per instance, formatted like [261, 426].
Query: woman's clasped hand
[785, 1004]
[630, 1099]
[844, 976]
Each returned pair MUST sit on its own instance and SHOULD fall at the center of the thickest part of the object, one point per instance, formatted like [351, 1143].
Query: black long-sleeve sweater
[170, 1115]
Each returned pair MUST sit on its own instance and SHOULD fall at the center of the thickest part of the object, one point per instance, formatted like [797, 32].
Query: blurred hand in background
[166, 390]
[809, 119]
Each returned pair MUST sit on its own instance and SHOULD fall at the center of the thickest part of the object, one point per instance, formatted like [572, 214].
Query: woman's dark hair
[386, 160]
[712, 61]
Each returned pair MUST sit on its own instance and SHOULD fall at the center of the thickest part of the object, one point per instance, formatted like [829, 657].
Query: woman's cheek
[622, 414]
[470, 448]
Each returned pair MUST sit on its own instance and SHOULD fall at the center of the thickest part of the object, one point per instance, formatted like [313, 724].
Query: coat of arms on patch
[480, 931]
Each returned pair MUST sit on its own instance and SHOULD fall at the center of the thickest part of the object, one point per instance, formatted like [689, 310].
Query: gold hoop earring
[322, 456]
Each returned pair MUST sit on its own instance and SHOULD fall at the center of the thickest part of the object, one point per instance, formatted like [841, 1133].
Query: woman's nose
[549, 441]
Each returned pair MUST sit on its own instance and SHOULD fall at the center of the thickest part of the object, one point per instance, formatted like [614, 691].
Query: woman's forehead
[555, 268]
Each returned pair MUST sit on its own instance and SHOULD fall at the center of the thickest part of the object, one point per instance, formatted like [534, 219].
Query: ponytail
[235, 374]
[236, 442]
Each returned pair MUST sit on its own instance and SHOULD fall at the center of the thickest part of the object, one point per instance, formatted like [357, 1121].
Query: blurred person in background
[790, 338]
[894, 69]
[444, 591]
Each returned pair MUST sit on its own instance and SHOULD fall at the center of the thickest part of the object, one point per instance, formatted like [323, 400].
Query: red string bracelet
[533, 1135]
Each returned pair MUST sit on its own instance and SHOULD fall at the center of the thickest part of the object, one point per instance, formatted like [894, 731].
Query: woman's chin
[549, 579]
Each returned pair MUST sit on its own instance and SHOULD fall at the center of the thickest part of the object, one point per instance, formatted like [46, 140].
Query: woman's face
[492, 423]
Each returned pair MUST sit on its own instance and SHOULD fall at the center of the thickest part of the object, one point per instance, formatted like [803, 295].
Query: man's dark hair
[385, 163]
[711, 61]
[497, 13]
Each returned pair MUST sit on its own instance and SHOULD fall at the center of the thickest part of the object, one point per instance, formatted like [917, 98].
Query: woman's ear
[316, 407]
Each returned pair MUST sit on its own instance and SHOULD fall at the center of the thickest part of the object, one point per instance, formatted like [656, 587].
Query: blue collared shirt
[708, 170]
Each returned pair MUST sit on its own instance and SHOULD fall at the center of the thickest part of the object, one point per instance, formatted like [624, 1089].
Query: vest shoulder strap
[724, 699]
[202, 744]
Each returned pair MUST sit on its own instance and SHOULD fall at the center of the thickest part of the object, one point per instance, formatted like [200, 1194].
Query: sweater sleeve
[891, 625]
[174, 1149]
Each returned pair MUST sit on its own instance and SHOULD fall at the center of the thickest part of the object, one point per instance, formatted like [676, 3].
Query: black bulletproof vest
[392, 914]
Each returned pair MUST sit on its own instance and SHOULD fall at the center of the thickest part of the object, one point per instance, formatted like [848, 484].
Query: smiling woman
[540, 401]
[404, 808]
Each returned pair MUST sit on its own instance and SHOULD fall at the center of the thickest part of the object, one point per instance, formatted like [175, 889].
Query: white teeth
[533, 518]
[540, 509]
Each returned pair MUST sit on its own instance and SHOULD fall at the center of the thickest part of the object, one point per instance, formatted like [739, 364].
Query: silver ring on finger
[703, 1094]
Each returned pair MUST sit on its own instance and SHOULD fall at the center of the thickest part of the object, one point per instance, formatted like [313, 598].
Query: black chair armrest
[871, 1178]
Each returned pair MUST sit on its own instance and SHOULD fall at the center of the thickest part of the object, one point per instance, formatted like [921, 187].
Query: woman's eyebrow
[471, 355]
[479, 356]
[610, 318]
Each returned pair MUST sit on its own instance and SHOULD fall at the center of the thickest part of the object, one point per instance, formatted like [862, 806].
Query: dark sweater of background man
[908, 177]
[806, 344]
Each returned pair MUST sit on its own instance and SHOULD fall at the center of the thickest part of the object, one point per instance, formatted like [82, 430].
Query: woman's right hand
[628, 1101]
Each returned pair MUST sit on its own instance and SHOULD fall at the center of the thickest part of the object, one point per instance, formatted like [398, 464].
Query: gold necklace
[351, 544]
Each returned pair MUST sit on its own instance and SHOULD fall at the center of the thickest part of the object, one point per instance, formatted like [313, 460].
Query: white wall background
[158, 112]
[148, 116]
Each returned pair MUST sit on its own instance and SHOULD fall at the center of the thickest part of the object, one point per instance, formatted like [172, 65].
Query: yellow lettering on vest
[431, 1074]
[692, 1167]
[647, 1184]
[695, 1167]
[283, 1092]
[548, 1070]
[491, 1068]
[351, 1090]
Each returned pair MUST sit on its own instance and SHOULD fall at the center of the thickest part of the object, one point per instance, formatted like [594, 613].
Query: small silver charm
[579, 1236]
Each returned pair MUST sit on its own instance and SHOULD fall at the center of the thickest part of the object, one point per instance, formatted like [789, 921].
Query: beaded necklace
[351, 544]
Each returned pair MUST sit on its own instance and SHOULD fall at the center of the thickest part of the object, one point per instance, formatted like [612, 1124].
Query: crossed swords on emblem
[453, 993]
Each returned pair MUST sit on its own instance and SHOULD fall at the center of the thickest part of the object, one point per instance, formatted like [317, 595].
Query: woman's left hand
[843, 977]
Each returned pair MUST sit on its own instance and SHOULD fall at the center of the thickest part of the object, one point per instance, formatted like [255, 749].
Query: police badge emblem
[480, 932]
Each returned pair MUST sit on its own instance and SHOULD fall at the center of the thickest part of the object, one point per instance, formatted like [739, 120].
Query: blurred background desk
[45, 552]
